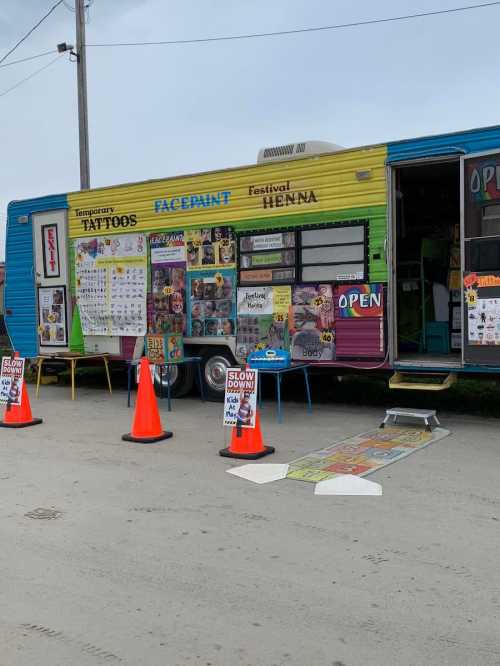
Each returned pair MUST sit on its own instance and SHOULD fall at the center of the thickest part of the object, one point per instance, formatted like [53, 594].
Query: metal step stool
[427, 415]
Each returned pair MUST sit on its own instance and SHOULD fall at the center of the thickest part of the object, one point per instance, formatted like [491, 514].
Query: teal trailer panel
[456, 143]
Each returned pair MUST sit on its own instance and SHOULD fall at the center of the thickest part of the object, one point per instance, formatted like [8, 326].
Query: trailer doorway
[428, 262]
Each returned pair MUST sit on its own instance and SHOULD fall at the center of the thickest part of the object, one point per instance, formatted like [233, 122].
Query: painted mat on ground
[363, 454]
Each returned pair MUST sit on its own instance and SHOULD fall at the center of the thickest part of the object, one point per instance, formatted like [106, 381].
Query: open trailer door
[481, 258]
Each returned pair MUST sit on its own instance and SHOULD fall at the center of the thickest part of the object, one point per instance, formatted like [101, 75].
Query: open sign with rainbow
[360, 300]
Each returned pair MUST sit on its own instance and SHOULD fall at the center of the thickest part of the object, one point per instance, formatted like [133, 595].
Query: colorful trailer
[377, 258]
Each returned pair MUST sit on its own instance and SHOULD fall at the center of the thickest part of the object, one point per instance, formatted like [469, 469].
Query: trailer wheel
[181, 380]
[216, 360]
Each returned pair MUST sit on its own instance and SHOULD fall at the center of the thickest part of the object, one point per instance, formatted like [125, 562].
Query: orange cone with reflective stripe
[146, 426]
[247, 443]
[19, 416]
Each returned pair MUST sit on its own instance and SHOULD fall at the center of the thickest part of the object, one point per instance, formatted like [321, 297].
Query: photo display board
[210, 248]
[52, 327]
[167, 311]
[212, 303]
[111, 284]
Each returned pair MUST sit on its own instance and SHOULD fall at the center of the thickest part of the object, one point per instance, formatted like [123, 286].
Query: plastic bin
[437, 337]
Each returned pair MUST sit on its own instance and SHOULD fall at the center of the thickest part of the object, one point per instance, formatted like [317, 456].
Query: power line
[33, 74]
[33, 57]
[72, 9]
[31, 30]
[338, 26]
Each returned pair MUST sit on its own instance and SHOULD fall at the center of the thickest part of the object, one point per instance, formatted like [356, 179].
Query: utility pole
[81, 66]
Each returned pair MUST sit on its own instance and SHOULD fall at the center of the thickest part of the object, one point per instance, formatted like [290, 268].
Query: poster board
[262, 318]
[167, 308]
[52, 322]
[11, 380]
[482, 318]
[240, 398]
[255, 301]
[212, 303]
[164, 348]
[210, 248]
[111, 284]
[312, 323]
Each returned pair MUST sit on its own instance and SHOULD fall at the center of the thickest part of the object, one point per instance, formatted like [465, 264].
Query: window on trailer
[334, 253]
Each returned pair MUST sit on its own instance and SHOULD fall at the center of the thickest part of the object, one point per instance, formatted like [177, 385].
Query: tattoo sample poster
[212, 307]
[111, 284]
[483, 316]
[210, 248]
[312, 323]
[168, 275]
[52, 328]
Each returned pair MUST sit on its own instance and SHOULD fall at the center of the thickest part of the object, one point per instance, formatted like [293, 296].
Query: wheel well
[212, 350]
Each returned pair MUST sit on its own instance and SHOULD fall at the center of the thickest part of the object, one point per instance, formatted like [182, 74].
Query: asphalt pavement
[152, 555]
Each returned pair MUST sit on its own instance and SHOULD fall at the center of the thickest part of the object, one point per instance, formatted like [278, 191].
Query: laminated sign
[11, 380]
[111, 284]
[240, 400]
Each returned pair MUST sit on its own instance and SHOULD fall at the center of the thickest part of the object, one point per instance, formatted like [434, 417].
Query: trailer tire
[215, 362]
[181, 377]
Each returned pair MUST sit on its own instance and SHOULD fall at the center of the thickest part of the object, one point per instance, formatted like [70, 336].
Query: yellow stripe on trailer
[333, 182]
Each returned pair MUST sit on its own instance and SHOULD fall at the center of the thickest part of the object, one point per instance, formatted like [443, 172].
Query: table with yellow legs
[71, 359]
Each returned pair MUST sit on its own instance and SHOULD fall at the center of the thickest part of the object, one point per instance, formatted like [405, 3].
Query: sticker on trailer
[50, 247]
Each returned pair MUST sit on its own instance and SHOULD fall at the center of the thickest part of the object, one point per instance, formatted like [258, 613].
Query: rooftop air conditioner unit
[294, 151]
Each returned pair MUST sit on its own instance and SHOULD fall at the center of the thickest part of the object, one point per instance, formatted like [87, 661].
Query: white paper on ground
[260, 473]
[347, 484]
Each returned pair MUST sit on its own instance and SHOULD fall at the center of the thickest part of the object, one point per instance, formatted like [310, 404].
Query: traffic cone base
[147, 440]
[227, 453]
[19, 416]
[247, 443]
[3, 424]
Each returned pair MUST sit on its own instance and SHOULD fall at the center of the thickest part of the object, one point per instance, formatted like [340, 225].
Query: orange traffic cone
[19, 416]
[247, 443]
[146, 427]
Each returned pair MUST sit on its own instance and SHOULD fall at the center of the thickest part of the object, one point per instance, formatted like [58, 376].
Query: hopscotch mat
[363, 454]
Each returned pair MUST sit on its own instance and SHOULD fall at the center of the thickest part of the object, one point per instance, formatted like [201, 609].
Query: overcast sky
[167, 110]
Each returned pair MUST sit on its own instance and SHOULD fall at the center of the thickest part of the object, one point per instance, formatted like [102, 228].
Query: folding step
[422, 381]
